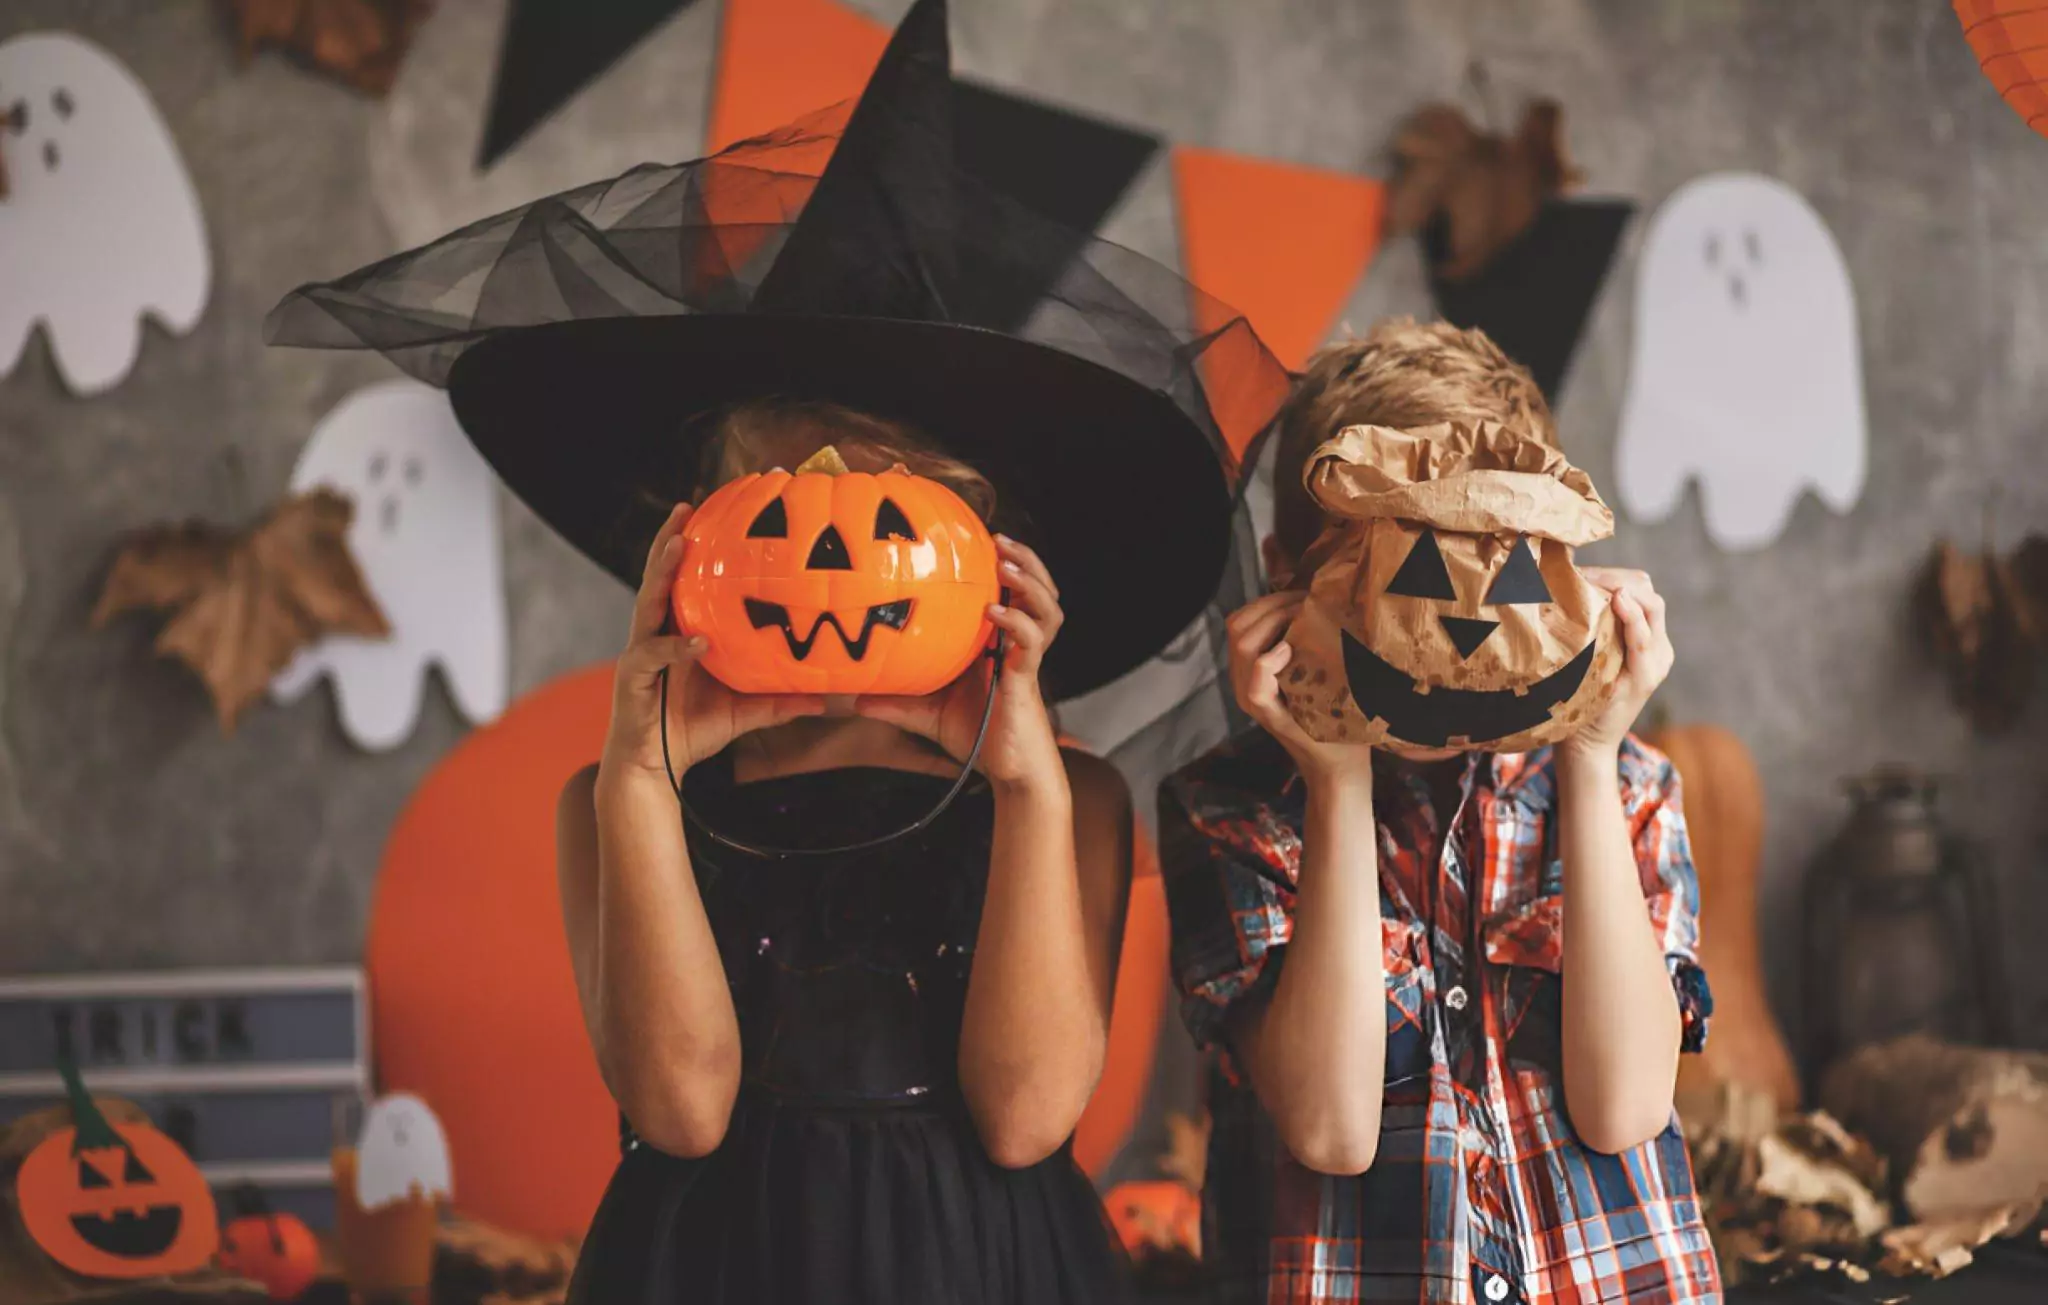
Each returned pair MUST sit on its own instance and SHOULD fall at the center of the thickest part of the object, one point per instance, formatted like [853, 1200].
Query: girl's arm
[653, 991]
[1038, 999]
[1621, 1025]
[1317, 1051]
[1037, 1019]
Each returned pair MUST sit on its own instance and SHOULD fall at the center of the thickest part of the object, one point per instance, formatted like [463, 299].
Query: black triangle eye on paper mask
[1521, 580]
[1423, 573]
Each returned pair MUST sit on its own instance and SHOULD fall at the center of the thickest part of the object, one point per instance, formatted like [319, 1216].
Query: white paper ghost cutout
[1747, 373]
[100, 224]
[426, 536]
[402, 1154]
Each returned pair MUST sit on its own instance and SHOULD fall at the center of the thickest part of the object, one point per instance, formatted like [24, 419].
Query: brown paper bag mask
[1446, 611]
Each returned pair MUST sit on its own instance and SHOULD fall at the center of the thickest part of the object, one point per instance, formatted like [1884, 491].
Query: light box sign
[255, 1073]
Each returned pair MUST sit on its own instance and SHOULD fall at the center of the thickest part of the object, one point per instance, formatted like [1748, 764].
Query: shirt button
[1496, 1287]
[1456, 998]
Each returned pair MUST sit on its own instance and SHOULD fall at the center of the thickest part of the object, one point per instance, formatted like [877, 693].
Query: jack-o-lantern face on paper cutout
[1449, 613]
[115, 1200]
[834, 581]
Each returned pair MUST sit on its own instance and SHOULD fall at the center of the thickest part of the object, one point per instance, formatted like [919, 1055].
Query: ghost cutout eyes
[1747, 376]
[1450, 614]
[99, 223]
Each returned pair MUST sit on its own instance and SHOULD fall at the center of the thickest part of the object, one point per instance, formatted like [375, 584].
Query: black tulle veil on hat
[846, 257]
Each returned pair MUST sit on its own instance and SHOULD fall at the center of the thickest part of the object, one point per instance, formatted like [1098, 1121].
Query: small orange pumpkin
[1151, 1217]
[277, 1250]
[834, 581]
[115, 1200]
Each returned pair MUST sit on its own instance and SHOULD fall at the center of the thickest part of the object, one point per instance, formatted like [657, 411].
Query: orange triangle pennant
[1281, 243]
[781, 59]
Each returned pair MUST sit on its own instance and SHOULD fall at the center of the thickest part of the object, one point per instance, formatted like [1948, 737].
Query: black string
[690, 813]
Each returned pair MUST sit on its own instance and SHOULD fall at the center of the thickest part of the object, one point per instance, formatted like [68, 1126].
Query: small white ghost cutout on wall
[402, 1154]
[1747, 373]
[100, 225]
[426, 536]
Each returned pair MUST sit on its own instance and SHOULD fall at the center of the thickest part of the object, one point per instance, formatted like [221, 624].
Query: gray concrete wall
[132, 834]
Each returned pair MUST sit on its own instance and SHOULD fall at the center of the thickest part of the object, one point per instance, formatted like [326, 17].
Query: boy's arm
[1621, 1018]
[1622, 1026]
[1316, 1050]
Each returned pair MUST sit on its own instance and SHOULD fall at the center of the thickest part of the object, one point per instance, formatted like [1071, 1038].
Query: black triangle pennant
[1068, 166]
[551, 50]
[1535, 297]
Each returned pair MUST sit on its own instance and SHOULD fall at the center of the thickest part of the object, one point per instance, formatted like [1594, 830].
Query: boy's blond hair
[1403, 374]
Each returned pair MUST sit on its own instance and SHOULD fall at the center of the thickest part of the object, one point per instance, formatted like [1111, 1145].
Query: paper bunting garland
[1282, 243]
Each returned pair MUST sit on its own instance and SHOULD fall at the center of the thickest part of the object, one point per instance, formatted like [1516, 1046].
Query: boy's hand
[1647, 657]
[1257, 656]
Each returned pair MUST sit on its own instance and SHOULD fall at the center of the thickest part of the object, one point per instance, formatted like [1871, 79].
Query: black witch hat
[581, 336]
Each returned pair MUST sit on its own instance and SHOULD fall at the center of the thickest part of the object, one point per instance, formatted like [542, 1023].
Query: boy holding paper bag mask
[1450, 975]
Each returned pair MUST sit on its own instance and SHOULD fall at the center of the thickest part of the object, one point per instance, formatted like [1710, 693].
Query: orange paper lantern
[2010, 38]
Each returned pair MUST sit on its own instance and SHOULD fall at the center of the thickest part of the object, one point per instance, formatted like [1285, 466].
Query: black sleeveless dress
[850, 1173]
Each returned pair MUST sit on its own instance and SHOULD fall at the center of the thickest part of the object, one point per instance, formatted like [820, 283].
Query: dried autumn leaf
[1985, 626]
[1484, 190]
[244, 605]
[361, 42]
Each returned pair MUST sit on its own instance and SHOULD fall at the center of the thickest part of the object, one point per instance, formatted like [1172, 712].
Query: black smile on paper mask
[1439, 716]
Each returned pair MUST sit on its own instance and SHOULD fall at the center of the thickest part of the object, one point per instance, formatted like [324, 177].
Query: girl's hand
[1647, 658]
[703, 715]
[1020, 747]
[1258, 654]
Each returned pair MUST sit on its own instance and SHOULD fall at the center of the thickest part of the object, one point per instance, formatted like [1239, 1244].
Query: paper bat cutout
[1989, 623]
[360, 42]
[1484, 189]
[244, 604]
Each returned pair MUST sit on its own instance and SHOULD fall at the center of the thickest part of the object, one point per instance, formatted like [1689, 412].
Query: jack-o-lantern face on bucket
[836, 582]
[1449, 613]
[116, 1200]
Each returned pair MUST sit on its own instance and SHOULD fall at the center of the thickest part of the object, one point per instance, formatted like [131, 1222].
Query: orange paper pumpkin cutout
[1446, 611]
[833, 581]
[115, 1200]
[2010, 39]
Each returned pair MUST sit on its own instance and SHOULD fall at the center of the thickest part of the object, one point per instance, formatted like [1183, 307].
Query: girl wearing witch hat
[847, 1063]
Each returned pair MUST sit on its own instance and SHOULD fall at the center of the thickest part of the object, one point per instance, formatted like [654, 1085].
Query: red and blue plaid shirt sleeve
[1656, 818]
[1229, 861]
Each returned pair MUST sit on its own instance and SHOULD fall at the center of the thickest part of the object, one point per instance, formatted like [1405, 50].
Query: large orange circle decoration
[472, 1002]
[473, 1006]
[2010, 38]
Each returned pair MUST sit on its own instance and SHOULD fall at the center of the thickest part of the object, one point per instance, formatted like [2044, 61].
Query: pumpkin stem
[92, 1131]
[825, 462]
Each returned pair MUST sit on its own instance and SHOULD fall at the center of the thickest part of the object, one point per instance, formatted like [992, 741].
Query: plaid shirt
[1481, 1192]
